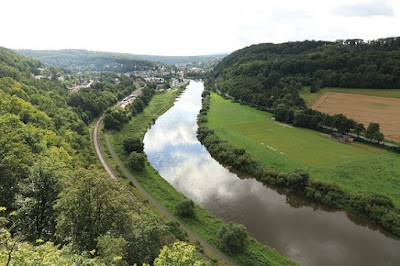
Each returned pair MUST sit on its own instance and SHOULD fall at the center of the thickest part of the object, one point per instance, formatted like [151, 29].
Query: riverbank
[342, 176]
[204, 225]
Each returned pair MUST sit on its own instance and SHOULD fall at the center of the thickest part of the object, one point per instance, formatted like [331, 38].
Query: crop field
[364, 109]
[355, 167]
[312, 98]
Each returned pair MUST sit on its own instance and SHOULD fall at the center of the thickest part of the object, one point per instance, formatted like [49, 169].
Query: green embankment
[355, 167]
[311, 98]
[204, 225]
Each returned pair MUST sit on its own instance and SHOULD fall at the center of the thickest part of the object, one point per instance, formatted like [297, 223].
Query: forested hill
[13, 64]
[82, 60]
[56, 201]
[256, 73]
[179, 60]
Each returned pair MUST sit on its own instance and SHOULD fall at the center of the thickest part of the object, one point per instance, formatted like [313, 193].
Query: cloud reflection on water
[298, 228]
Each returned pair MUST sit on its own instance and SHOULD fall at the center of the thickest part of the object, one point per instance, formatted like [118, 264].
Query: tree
[233, 238]
[111, 123]
[179, 254]
[342, 124]
[185, 208]
[374, 133]
[136, 161]
[378, 136]
[358, 129]
[281, 112]
[145, 237]
[133, 144]
[90, 205]
[112, 249]
[316, 86]
[39, 195]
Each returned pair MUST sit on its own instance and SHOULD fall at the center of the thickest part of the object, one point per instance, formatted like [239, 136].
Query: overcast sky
[174, 27]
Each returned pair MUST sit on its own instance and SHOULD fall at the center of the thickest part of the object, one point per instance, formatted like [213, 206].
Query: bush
[365, 201]
[185, 208]
[133, 144]
[177, 231]
[372, 205]
[327, 193]
[391, 221]
[233, 238]
[136, 161]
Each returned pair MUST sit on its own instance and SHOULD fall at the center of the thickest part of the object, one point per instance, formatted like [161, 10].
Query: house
[341, 138]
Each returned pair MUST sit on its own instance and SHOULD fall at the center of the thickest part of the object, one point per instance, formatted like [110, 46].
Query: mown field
[364, 109]
[355, 167]
[312, 98]
[204, 225]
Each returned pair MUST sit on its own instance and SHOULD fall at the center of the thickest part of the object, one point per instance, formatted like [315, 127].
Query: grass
[355, 167]
[311, 98]
[204, 225]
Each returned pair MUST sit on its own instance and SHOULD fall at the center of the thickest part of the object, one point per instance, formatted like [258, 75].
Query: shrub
[233, 238]
[326, 193]
[136, 161]
[133, 144]
[185, 208]
[176, 230]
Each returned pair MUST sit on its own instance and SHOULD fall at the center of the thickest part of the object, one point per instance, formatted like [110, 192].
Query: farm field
[312, 98]
[355, 167]
[364, 109]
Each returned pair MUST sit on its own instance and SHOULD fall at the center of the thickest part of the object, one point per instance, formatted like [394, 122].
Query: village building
[341, 137]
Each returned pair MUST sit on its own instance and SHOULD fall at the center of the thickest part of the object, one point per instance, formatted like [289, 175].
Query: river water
[306, 232]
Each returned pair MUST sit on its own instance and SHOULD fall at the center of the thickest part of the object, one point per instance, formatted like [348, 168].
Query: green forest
[83, 60]
[57, 205]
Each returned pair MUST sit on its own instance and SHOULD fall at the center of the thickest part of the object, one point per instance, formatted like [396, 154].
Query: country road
[112, 174]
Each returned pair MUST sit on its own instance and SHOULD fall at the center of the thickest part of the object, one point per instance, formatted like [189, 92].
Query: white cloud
[179, 27]
[368, 9]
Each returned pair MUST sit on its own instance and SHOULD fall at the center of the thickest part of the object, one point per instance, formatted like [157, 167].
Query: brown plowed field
[364, 109]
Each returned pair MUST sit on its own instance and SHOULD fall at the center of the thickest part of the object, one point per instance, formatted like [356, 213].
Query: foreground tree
[89, 206]
[112, 249]
[179, 254]
[37, 217]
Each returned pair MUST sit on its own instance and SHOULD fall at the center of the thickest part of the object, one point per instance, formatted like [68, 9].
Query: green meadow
[354, 167]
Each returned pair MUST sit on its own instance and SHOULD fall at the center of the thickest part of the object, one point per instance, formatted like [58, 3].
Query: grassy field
[312, 98]
[204, 225]
[355, 167]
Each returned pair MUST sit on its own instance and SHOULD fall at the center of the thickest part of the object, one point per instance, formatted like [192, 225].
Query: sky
[175, 27]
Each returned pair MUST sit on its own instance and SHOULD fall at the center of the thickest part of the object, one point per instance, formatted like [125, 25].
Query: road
[112, 174]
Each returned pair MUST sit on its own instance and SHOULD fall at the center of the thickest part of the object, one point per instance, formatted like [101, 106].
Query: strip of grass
[204, 225]
[354, 168]
[311, 98]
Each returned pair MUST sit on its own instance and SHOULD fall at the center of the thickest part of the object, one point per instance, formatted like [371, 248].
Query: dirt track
[364, 109]
[112, 173]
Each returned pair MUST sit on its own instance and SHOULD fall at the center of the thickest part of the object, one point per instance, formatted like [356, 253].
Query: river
[306, 232]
